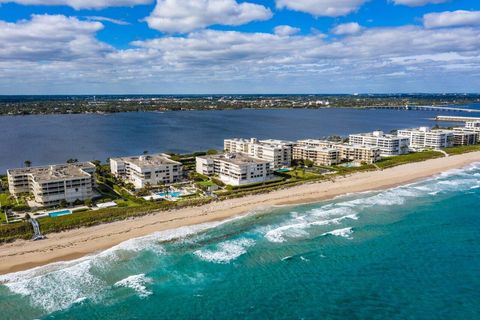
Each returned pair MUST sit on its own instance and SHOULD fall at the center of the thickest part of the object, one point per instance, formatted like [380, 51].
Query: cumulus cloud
[285, 30]
[347, 28]
[418, 3]
[185, 16]
[452, 19]
[327, 8]
[81, 4]
[50, 37]
[62, 54]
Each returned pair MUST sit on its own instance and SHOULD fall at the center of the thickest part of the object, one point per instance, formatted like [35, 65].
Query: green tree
[27, 163]
[212, 152]
[72, 160]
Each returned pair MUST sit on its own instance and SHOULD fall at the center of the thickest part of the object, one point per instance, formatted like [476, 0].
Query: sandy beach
[22, 255]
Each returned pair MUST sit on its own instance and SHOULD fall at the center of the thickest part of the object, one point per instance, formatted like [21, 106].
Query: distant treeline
[25, 105]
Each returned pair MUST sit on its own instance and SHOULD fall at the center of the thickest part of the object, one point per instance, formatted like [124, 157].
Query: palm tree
[27, 163]
[145, 152]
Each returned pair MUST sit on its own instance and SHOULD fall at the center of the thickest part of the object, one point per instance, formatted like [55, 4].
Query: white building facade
[425, 138]
[146, 170]
[235, 168]
[51, 185]
[278, 152]
[389, 145]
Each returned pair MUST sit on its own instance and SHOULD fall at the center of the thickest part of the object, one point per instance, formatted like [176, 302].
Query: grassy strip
[408, 158]
[462, 149]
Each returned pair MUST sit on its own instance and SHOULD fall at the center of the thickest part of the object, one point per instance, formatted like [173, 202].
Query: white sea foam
[59, 285]
[344, 232]
[137, 283]
[226, 251]
[347, 208]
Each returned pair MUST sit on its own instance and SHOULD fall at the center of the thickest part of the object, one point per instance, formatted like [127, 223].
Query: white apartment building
[235, 168]
[462, 137]
[473, 125]
[425, 138]
[50, 185]
[348, 152]
[389, 145]
[278, 152]
[321, 156]
[147, 169]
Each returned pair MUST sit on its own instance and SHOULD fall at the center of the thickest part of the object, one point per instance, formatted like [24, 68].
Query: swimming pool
[283, 170]
[174, 194]
[55, 214]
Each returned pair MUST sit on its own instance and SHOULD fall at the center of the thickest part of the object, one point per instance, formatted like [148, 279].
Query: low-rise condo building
[320, 156]
[425, 138]
[389, 144]
[51, 185]
[147, 170]
[348, 152]
[462, 137]
[235, 168]
[473, 125]
[278, 152]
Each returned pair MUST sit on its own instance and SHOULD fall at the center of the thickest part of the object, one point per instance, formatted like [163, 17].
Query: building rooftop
[277, 142]
[377, 134]
[236, 158]
[148, 160]
[426, 129]
[316, 148]
[55, 172]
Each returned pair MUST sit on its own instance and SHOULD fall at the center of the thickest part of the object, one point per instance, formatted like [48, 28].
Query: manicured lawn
[7, 200]
[408, 158]
[462, 149]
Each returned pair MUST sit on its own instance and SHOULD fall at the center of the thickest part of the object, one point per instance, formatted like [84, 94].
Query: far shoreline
[70, 245]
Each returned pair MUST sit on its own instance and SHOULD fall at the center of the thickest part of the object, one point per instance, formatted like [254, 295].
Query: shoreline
[73, 244]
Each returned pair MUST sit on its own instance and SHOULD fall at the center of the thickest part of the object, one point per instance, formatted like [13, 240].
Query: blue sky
[229, 46]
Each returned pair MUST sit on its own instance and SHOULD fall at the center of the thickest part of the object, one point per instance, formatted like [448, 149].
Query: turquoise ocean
[410, 252]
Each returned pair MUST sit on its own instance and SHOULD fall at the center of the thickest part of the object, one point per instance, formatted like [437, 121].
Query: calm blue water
[57, 138]
[410, 252]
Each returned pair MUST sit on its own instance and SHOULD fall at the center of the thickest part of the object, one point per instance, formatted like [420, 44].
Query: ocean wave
[59, 285]
[349, 207]
[344, 233]
[137, 283]
[226, 251]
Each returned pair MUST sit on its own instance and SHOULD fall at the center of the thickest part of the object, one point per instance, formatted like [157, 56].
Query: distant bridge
[425, 108]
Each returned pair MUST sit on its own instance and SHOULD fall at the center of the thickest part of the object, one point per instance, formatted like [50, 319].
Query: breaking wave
[226, 251]
[137, 283]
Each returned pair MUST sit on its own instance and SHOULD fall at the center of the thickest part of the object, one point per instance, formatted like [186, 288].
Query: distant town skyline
[229, 46]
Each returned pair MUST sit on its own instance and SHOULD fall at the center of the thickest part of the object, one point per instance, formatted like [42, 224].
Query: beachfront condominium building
[473, 125]
[146, 170]
[462, 137]
[320, 156]
[278, 152]
[389, 144]
[348, 152]
[425, 138]
[235, 168]
[51, 185]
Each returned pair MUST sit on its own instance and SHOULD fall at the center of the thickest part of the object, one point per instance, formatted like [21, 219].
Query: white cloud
[106, 19]
[417, 3]
[186, 16]
[50, 37]
[327, 8]
[285, 30]
[452, 19]
[56, 54]
[81, 4]
[347, 28]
